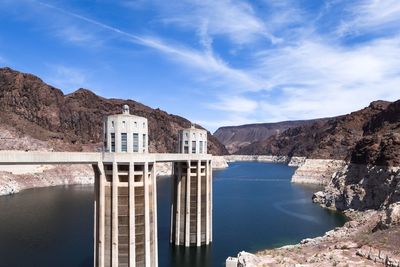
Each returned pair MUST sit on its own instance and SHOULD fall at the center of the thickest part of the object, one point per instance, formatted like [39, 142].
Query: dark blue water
[255, 207]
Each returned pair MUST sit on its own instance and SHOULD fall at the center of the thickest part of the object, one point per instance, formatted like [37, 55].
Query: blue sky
[215, 62]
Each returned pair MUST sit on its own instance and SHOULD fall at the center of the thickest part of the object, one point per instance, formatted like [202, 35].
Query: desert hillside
[35, 115]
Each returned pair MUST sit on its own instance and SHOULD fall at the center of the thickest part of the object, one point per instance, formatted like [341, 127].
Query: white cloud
[233, 19]
[76, 34]
[66, 78]
[371, 15]
[318, 79]
[237, 104]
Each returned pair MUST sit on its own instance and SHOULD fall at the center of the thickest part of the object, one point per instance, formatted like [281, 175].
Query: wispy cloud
[77, 35]
[66, 78]
[371, 15]
[204, 60]
[235, 20]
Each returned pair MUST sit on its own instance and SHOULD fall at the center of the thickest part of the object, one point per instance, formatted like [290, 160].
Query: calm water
[255, 207]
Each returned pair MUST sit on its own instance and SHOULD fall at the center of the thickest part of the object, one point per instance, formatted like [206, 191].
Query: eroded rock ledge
[357, 243]
[259, 158]
[317, 171]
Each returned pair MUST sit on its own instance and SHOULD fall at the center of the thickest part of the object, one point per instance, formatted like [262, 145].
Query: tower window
[124, 145]
[112, 142]
[193, 147]
[144, 141]
[135, 142]
[201, 147]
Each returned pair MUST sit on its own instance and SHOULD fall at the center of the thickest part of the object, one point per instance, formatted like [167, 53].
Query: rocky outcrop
[56, 175]
[237, 137]
[354, 244]
[219, 162]
[317, 171]
[296, 161]
[259, 158]
[361, 187]
[380, 144]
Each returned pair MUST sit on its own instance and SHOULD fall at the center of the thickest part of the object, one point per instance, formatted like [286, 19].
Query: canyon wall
[317, 171]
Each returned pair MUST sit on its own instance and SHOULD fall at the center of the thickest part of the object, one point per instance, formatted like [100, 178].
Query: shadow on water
[255, 207]
[194, 256]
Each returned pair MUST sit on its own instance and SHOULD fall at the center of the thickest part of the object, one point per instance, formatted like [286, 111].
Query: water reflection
[193, 256]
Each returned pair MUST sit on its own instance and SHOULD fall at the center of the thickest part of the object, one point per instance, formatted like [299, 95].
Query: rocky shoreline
[354, 244]
[258, 158]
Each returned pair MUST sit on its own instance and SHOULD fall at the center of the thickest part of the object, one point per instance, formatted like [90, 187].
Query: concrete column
[178, 205]
[208, 202]
[147, 226]
[114, 212]
[132, 241]
[155, 237]
[198, 239]
[173, 203]
[96, 214]
[102, 197]
[187, 215]
[211, 200]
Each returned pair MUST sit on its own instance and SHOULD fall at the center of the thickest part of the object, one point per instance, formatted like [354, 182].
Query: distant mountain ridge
[368, 136]
[74, 121]
[237, 137]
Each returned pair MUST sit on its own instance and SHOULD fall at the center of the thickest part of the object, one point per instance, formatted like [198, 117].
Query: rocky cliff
[74, 121]
[357, 243]
[334, 138]
[236, 137]
[372, 179]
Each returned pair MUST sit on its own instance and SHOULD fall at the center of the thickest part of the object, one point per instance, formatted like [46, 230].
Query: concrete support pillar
[101, 213]
[155, 225]
[210, 196]
[147, 215]
[198, 236]
[208, 210]
[132, 213]
[189, 198]
[96, 212]
[187, 205]
[178, 204]
[114, 212]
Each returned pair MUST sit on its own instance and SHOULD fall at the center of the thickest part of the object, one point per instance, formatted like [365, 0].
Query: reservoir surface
[255, 206]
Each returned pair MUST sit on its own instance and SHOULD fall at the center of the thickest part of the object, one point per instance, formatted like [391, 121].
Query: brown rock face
[370, 135]
[236, 137]
[74, 121]
[380, 144]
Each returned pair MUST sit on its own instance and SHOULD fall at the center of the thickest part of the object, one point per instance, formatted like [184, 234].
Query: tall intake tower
[191, 209]
[125, 191]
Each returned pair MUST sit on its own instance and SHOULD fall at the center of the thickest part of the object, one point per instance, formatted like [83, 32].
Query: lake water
[255, 207]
